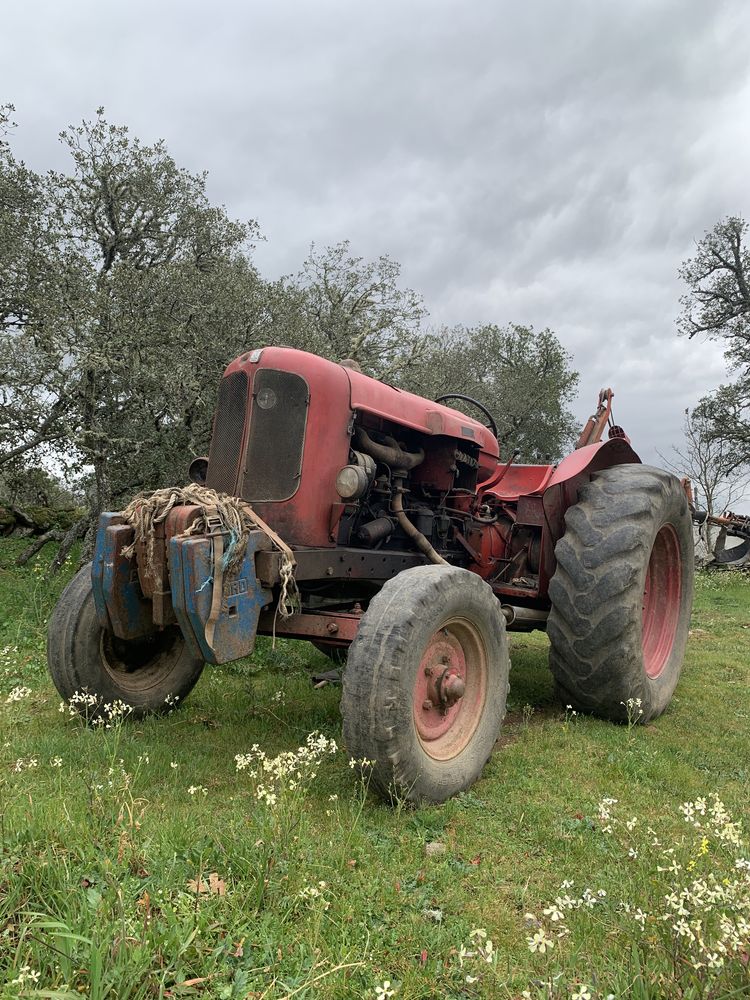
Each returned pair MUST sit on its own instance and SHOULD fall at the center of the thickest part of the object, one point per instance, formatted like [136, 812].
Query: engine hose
[396, 458]
[397, 506]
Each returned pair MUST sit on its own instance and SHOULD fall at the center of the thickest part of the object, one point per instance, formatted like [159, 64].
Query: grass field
[138, 861]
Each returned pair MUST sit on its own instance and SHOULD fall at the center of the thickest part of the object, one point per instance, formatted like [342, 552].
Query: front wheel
[149, 674]
[426, 682]
[622, 593]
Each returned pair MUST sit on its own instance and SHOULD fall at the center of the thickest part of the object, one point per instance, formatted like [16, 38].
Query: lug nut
[427, 704]
[428, 671]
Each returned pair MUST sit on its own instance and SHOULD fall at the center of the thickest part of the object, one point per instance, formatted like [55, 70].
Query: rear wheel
[148, 674]
[622, 593]
[425, 683]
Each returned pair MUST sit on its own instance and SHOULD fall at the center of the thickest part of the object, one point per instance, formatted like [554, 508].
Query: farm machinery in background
[387, 528]
[730, 525]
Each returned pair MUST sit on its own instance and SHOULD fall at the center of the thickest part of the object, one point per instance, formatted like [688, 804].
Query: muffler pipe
[395, 457]
[524, 617]
[397, 506]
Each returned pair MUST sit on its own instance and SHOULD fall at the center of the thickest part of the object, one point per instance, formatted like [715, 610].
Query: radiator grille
[226, 441]
[273, 463]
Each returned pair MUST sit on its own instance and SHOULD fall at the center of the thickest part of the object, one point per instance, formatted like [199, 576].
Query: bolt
[428, 671]
[427, 704]
[332, 627]
[445, 660]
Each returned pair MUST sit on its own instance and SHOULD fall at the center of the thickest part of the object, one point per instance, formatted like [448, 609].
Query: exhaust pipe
[524, 619]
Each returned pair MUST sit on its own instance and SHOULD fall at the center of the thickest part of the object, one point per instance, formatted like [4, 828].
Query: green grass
[101, 857]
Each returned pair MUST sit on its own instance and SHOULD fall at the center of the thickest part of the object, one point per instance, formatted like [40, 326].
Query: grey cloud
[548, 163]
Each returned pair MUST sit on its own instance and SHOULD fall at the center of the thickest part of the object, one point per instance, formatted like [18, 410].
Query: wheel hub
[449, 689]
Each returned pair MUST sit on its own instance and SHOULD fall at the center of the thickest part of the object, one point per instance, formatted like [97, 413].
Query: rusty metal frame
[338, 629]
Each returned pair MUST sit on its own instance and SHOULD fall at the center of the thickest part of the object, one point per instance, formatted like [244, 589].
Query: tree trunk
[72, 535]
[55, 535]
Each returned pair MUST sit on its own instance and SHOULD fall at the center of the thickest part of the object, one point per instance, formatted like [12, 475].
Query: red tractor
[411, 546]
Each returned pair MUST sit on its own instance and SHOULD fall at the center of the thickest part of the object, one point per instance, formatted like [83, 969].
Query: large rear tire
[149, 675]
[622, 593]
[426, 682]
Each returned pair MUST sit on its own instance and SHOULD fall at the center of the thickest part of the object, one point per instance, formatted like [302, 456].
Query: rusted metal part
[119, 601]
[151, 570]
[180, 519]
[341, 563]
[153, 567]
[475, 556]
[388, 454]
[449, 689]
[337, 629]
[522, 619]
[594, 428]
[422, 543]
[562, 488]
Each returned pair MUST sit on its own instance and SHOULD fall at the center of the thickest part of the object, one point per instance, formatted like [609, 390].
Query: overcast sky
[548, 163]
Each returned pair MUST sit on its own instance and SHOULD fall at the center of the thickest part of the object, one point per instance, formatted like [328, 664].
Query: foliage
[524, 377]
[168, 290]
[124, 293]
[717, 303]
[138, 861]
[32, 407]
[341, 306]
[708, 461]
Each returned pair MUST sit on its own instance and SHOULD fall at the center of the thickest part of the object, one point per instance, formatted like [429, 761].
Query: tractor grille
[273, 463]
[226, 441]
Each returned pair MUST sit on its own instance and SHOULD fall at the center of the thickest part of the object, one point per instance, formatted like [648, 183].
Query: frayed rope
[237, 518]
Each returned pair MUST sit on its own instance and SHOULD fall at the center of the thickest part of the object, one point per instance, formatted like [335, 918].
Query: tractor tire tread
[596, 592]
[374, 681]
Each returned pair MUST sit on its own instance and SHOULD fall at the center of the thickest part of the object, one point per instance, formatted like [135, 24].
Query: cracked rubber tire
[622, 593]
[84, 657]
[430, 632]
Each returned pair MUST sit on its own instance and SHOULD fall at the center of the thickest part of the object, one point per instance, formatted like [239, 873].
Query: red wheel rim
[450, 689]
[661, 600]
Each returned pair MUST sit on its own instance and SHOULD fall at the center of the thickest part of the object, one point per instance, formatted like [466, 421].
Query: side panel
[304, 519]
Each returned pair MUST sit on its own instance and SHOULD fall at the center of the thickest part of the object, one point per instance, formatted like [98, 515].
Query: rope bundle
[238, 519]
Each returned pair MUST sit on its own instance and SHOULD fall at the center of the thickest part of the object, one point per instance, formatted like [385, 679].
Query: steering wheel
[491, 425]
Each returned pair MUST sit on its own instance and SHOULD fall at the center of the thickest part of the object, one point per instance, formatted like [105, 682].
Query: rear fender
[562, 491]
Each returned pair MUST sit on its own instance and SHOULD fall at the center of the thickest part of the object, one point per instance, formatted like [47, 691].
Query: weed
[117, 882]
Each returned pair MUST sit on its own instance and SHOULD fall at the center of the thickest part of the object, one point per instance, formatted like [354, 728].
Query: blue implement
[191, 567]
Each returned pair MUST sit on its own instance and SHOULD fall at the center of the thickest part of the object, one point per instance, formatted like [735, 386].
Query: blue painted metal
[191, 577]
[118, 598]
[97, 567]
